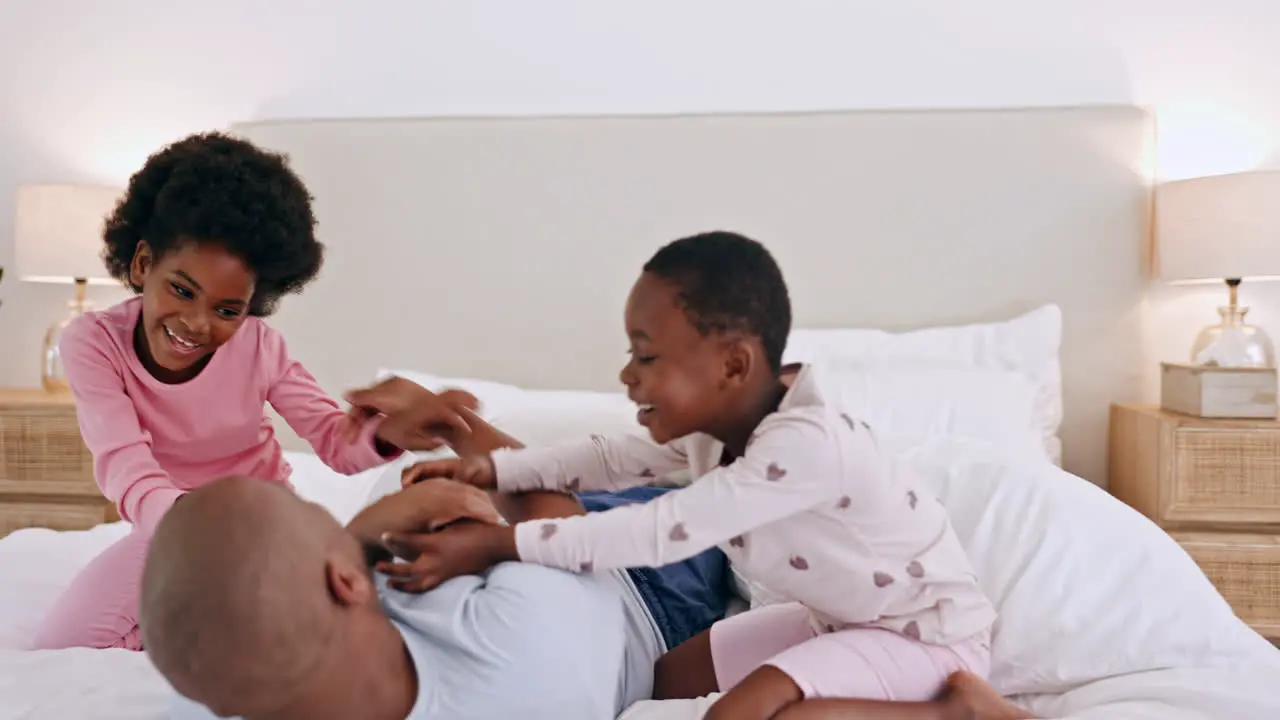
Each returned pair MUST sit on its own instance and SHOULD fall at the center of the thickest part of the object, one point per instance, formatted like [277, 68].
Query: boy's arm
[792, 466]
[597, 463]
[123, 465]
[521, 506]
[484, 439]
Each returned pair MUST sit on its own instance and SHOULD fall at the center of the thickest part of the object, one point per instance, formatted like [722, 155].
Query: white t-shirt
[521, 641]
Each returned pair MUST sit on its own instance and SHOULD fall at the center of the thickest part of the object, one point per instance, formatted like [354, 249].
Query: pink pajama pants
[100, 607]
[863, 663]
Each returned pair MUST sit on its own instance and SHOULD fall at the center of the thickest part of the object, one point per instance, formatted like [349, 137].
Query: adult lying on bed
[258, 604]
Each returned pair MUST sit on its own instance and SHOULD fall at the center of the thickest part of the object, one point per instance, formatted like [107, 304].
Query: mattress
[1100, 625]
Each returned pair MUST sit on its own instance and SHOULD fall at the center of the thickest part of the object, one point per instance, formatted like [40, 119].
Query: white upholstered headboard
[504, 248]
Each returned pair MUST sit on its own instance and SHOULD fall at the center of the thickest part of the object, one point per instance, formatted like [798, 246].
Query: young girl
[170, 386]
[796, 491]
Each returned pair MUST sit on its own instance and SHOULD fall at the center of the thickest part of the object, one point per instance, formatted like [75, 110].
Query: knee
[718, 712]
[687, 671]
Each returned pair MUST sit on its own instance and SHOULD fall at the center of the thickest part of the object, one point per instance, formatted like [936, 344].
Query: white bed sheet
[1175, 659]
[37, 564]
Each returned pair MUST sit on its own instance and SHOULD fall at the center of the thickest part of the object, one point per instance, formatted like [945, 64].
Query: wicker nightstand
[1214, 485]
[46, 472]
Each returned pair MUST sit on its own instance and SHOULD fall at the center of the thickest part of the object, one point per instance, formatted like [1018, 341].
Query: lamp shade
[58, 232]
[1219, 227]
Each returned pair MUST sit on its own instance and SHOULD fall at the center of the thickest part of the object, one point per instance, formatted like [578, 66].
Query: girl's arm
[598, 463]
[314, 415]
[123, 465]
[793, 465]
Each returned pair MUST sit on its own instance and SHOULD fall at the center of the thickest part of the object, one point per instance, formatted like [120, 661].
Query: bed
[975, 280]
[1143, 637]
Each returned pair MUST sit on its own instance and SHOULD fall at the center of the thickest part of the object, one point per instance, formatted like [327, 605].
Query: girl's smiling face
[194, 298]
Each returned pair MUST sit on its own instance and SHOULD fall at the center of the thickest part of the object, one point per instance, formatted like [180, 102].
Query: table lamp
[58, 239]
[1224, 228]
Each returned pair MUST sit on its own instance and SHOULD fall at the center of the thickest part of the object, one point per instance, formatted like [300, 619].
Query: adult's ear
[349, 583]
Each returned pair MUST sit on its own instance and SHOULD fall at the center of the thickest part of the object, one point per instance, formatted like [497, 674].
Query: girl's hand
[433, 558]
[414, 418]
[474, 470]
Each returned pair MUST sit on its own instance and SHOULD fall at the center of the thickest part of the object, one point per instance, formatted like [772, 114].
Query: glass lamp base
[1233, 342]
[52, 374]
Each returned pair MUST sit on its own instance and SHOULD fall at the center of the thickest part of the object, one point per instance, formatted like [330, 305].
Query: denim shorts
[684, 597]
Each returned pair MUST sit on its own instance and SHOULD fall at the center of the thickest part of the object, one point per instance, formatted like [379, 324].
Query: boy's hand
[474, 470]
[414, 418]
[425, 507]
[433, 558]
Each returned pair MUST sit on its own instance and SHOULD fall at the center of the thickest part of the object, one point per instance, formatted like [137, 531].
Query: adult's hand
[474, 470]
[422, 508]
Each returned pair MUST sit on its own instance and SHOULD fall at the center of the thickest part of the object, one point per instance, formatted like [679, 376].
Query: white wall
[88, 88]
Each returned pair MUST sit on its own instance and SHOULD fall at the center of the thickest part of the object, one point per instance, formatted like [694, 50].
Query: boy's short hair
[729, 282]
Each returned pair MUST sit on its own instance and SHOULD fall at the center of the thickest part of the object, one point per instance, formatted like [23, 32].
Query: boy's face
[675, 374]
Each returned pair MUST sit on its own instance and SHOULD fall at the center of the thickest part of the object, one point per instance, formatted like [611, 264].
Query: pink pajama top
[813, 511]
[152, 442]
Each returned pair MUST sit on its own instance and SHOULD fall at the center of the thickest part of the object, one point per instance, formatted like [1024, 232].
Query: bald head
[235, 608]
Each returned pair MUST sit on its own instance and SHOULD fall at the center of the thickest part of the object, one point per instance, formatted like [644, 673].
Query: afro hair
[211, 187]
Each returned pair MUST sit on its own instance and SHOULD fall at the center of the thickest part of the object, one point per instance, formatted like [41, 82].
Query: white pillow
[493, 396]
[1086, 587]
[1028, 345]
[907, 404]
[538, 417]
[911, 405]
[553, 420]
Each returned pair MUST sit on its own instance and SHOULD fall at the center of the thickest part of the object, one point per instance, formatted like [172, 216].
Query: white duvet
[1102, 616]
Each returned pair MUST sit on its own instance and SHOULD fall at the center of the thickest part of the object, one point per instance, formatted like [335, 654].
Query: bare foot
[969, 697]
